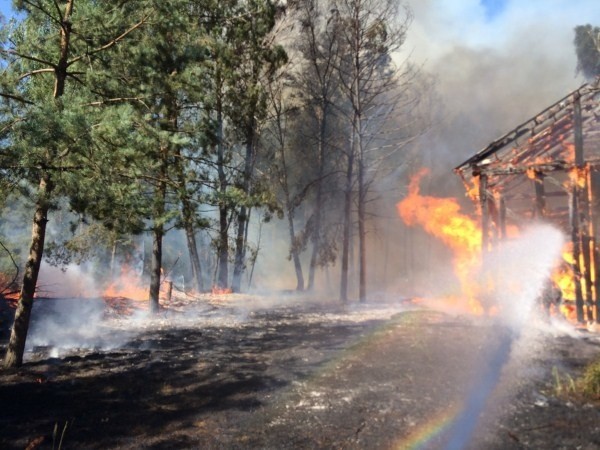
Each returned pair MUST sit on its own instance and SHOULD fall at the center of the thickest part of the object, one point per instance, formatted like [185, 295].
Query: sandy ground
[273, 373]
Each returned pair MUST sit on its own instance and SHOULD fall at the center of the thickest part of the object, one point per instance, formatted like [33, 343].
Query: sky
[5, 7]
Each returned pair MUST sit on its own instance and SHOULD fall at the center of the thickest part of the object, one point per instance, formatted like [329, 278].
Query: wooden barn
[548, 169]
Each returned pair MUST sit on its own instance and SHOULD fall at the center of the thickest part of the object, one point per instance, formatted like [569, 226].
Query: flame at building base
[514, 275]
[441, 217]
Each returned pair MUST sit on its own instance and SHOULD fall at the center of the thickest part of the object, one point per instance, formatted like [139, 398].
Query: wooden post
[578, 131]
[596, 260]
[594, 204]
[540, 195]
[587, 274]
[586, 245]
[485, 213]
[502, 217]
[576, 242]
[574, 206]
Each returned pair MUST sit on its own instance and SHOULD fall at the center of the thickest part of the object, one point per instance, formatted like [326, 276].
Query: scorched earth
[241, 372]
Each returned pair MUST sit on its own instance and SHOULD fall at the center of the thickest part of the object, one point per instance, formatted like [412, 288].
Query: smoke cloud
[496, 63]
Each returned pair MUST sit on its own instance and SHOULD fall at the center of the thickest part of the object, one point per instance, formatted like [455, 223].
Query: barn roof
[544, 143]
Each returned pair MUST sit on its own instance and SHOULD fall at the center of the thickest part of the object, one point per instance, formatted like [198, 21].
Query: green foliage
[90, 242]
[587, 48]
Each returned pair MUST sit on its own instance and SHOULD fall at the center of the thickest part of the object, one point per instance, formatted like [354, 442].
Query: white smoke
[76, 323]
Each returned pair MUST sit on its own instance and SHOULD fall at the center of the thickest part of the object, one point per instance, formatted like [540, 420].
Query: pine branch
[117, 100]
[47, 13]
[58, 10]
[33, 72]
[75, 77]
[15, 97]
[10, 125]
[30, 58]
[110, 43]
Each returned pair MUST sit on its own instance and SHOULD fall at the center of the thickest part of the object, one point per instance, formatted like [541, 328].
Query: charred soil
[293, 374]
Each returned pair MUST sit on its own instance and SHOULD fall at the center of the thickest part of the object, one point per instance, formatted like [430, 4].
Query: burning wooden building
[548, 169]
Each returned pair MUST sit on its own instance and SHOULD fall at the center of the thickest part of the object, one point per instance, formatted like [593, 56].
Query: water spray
[521, 268]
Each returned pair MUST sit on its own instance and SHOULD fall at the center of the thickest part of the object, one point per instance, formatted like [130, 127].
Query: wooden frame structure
[547, 168]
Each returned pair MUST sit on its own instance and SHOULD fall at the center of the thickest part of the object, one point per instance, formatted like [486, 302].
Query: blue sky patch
[493, 8]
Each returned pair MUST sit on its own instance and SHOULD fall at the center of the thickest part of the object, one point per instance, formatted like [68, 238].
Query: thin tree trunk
[157, 237]
[190, 234]
[362, 235]
[240, 243]
[223, 243]
[223, 248]
[156, 268]
[238, 266]
[295, 256]
[158, 230]
[347, 223]
[18, 335]
[187, 214]
[290, 209]
[316, 237]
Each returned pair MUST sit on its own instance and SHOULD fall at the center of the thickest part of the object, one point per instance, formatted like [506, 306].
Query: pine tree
[47, 134]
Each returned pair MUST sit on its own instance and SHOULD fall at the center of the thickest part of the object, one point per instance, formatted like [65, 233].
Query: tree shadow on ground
[162, 381]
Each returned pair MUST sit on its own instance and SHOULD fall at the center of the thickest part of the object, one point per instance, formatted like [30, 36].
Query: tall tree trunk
[238, 265]
[316, 239]
[295, 256]
[290, 210]
[156, 268]
[347, 222]
[18, 335]
[223, 250]
[362, 254]
[190, 235]
[240, 242]
[187, 215]
[158, 231]
[223, 243]
[316, 236]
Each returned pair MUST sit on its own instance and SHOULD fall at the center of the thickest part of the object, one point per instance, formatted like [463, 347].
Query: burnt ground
[291, 374]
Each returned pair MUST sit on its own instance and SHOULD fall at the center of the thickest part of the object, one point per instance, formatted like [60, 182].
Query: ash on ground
[271, 373]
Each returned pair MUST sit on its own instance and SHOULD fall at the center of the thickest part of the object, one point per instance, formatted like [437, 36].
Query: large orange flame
[441, 217]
